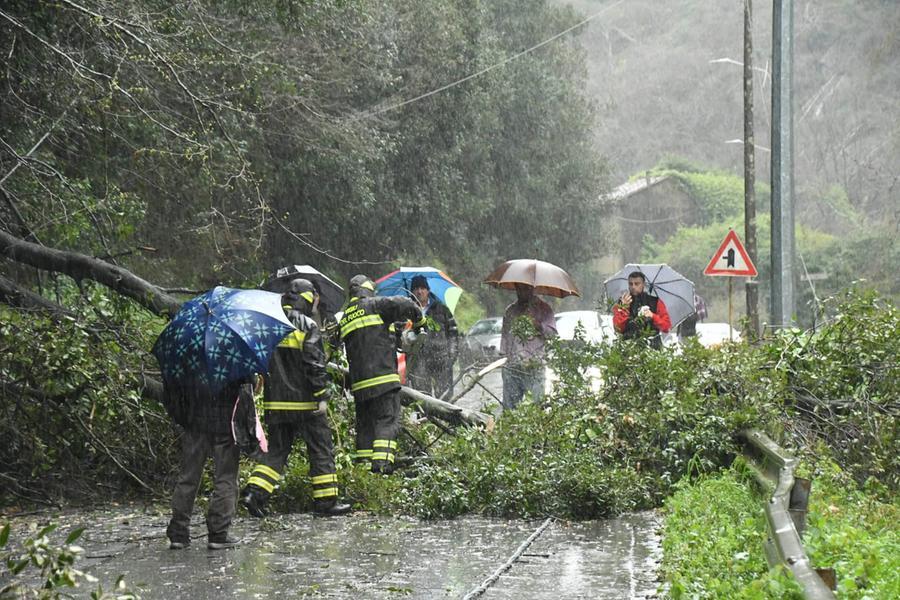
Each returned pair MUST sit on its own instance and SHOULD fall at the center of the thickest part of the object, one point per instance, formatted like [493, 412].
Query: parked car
[716, 334]
[482, 341]
[598, 329]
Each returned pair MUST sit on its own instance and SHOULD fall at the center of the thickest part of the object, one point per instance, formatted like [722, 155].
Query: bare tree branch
[13, 294]
[79, 266]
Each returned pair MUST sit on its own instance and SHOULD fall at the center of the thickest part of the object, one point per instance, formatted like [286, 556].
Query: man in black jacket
[431, 364]
[206, 419]
[296, 404]
[374, 381]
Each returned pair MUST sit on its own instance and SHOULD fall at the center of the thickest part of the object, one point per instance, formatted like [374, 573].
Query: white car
[716, 334]
[598, 329]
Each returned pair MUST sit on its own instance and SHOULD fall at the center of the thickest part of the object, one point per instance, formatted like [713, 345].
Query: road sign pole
[730, 335]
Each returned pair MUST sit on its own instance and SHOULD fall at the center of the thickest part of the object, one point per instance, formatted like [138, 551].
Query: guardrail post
[799, 503]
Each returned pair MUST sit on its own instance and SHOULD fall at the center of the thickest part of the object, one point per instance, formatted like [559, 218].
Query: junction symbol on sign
[731, 259]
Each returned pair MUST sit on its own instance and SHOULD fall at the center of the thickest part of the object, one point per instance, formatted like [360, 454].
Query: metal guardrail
[785, 512]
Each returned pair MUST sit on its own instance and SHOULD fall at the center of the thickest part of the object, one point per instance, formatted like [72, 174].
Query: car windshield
[486, 326]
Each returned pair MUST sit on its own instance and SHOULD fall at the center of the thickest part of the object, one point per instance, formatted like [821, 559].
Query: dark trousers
[377, 427]
[517, 380]
[196, 447]
[316, 432]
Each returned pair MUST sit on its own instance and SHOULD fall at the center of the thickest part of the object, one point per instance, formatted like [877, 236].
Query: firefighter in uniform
[295, 402]
[374, 381]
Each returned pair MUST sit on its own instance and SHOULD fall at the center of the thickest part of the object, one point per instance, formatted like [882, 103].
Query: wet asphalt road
[363, 556]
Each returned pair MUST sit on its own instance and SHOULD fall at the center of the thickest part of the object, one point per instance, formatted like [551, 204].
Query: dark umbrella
[676, 290]
[331, 295]
[546, 278]
[221, 336]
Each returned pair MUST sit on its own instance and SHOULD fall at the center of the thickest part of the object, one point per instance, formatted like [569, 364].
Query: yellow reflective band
[319, 479]
[388, 456]
[325, 492]
[367, 383]
[267, 471]
[320, 392]
[308, 296]
[290, 405]
[384, 444]
[363, 454]
[260, 482]
[293, 340]
[367, 321]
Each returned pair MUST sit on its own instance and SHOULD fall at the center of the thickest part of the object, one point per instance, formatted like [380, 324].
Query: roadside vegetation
[715, 529]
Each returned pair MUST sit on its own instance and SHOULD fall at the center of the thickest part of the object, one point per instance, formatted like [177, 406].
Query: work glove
[322, 408]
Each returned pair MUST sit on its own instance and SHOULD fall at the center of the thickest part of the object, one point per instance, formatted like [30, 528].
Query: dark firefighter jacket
[298, 380]
[370, 346]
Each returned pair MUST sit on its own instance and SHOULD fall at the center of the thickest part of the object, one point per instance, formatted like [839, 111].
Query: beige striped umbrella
[547, 279]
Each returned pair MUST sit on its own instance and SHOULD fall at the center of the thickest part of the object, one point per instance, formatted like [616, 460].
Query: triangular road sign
[731, 259]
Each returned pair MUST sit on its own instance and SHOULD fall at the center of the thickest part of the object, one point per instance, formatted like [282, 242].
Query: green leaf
[4, 535]
[16, 568]
[76, 533]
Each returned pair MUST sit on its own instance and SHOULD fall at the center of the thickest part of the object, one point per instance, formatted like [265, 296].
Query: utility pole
[750, 172]
[782, 171]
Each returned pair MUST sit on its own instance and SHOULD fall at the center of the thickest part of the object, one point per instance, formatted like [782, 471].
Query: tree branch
[79, 266]
[14, 295]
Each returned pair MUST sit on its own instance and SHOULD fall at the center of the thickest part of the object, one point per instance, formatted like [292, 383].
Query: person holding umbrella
[296, 405]
[639, 315]
[528, 323]
[431, 365]
[209, 355]
[374, 380]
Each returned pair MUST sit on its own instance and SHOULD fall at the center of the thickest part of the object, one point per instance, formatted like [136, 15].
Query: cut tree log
[455, 415]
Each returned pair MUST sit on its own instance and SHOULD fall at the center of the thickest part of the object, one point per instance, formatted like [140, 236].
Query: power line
[488, 69]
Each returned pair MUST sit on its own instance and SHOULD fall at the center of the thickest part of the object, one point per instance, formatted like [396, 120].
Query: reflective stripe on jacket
[370, 346]
[298, 380]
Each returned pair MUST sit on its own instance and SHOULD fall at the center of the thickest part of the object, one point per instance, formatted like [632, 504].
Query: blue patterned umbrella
[222, 336]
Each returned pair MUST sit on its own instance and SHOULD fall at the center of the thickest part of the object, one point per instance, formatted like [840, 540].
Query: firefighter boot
[330, 507]
[383, 467]
[254, 502]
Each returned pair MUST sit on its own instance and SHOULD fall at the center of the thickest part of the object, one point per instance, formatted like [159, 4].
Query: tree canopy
[207, 142]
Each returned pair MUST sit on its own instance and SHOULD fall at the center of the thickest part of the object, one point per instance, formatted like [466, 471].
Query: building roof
[630, 188]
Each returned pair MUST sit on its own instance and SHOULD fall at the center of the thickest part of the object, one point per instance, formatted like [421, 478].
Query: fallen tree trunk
[80, 266]
[455, 415]
[433, 407]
